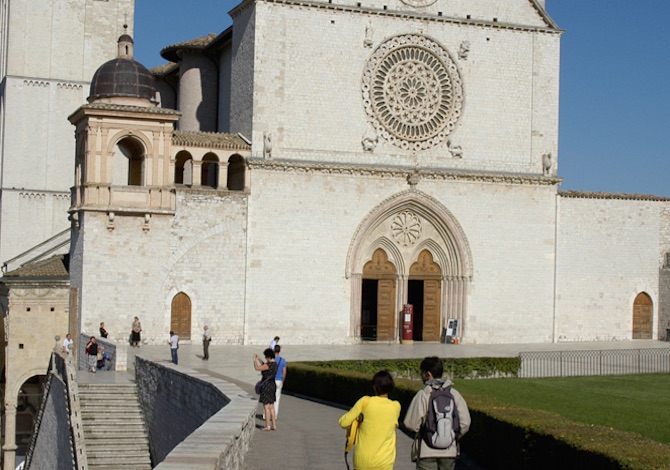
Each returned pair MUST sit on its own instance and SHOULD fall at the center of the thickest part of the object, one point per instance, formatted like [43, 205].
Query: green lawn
[637, 403]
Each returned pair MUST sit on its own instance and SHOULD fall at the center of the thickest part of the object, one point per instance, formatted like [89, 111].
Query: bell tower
[124, 177]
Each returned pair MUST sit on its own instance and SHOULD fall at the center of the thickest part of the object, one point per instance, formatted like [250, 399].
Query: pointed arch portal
[409, 249]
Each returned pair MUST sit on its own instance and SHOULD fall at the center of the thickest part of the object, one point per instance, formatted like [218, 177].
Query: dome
[122, 77]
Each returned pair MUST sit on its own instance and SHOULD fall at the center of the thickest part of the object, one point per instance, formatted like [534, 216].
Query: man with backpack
[439, 416]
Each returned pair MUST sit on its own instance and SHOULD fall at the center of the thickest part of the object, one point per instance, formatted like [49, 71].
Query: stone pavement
[308, 436]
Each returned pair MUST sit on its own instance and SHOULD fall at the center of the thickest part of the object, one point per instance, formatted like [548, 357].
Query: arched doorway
[431, 257]
[180, 319]
[424, 292]
[643, 312]
[378, 298]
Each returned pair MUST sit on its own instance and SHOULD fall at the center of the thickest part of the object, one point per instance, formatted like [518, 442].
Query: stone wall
[609, 249]
[193, 418]
[52, 443]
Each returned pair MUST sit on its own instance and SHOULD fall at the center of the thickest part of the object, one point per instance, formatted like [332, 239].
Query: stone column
[9, 449]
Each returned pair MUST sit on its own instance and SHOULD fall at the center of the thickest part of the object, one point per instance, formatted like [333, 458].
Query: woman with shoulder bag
[375, 442]
[268, 388]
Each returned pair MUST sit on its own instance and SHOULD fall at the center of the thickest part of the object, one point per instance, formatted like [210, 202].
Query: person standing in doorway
[174, 346]
[280, 377]
[206, 339]
[135, 336]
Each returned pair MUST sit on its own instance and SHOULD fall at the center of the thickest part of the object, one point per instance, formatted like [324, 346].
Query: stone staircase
[114, 431]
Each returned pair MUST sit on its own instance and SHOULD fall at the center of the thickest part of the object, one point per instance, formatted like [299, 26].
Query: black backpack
[442, 425]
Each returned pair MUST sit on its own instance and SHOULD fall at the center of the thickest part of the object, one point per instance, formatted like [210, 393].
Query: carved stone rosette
[412, 92]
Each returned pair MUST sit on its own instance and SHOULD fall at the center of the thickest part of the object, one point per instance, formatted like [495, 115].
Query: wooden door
[379, 268]
[429, 271]
[386, 310]
[642, 317]
[180, 321]
[431, 310]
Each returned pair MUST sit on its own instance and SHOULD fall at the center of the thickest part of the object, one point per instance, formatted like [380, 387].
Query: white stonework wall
[56, 46]
[303, 224]
[201, 251]
[312, 104]
[608, 251]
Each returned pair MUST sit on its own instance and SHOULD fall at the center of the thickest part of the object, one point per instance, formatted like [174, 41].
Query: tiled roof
[170, 52]
[209, 140]
[596, 195]
[54, 267]
[164, 69]
[131, 109]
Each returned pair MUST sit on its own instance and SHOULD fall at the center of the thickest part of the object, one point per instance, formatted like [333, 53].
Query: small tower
[124, 179]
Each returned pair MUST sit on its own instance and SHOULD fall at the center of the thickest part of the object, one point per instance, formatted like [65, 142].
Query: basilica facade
[317, 166]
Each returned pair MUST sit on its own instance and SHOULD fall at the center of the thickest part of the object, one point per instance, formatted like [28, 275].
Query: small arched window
[236, 177]
[210, 171]
[128, 163]
[183, 170]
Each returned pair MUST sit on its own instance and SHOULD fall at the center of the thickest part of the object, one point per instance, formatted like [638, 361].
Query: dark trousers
[205, 348]
[175, 359]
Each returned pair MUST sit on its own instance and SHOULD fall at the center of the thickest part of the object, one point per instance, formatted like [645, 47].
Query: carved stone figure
[455, 150]
[547, 164]
[464, 50]
[369, 143]
[267, 145]
[367, 42]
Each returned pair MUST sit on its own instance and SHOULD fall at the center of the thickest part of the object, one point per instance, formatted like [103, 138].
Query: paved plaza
[308, 436]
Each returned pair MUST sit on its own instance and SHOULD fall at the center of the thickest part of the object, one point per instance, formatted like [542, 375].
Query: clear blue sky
[615, 83]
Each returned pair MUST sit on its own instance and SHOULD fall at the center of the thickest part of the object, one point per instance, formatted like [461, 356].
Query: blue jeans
[175, 359]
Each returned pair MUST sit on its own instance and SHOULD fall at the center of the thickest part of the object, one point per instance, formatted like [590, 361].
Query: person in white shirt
[67, 344]
[174, 346]
[206, 339]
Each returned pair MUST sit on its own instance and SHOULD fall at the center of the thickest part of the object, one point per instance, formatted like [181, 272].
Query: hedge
[501, 436]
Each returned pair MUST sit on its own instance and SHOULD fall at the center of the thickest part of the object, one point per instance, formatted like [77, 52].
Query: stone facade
[49, 51]
[423, 171]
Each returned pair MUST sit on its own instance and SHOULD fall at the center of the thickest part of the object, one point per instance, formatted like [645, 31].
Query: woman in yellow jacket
[375, 444]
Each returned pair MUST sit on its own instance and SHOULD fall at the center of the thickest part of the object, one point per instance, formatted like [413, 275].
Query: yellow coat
[375, 446]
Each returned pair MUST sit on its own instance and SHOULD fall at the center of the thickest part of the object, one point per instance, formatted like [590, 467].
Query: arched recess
[180, 316]
[378, 303]
[183, 168]
[643, 313]
[413, 222]
[236, 173]
[209, 173]
[128, 162]
[424, 292]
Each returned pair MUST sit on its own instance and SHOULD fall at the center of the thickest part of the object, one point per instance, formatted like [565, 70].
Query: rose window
[412, 92]
[406, 228]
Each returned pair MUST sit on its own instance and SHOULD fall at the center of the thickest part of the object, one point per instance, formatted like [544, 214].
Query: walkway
[308, 436]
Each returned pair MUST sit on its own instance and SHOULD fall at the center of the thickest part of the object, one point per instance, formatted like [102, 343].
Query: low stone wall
[118, 353]
[52, 447]
[194, 420]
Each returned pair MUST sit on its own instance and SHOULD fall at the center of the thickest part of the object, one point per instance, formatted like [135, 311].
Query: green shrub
[501, 436]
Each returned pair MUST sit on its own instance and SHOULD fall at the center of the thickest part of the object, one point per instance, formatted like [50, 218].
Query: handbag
[259, 387]
[352, 431]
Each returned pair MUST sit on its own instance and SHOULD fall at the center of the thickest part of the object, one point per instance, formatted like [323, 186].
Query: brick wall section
[193, 420]
[52, 447]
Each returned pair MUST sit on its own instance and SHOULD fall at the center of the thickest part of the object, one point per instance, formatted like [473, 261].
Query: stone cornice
[622, 196]
[400, 172]
[550, 28]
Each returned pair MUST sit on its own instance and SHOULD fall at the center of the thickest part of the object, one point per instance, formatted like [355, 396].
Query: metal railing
[601, 362]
